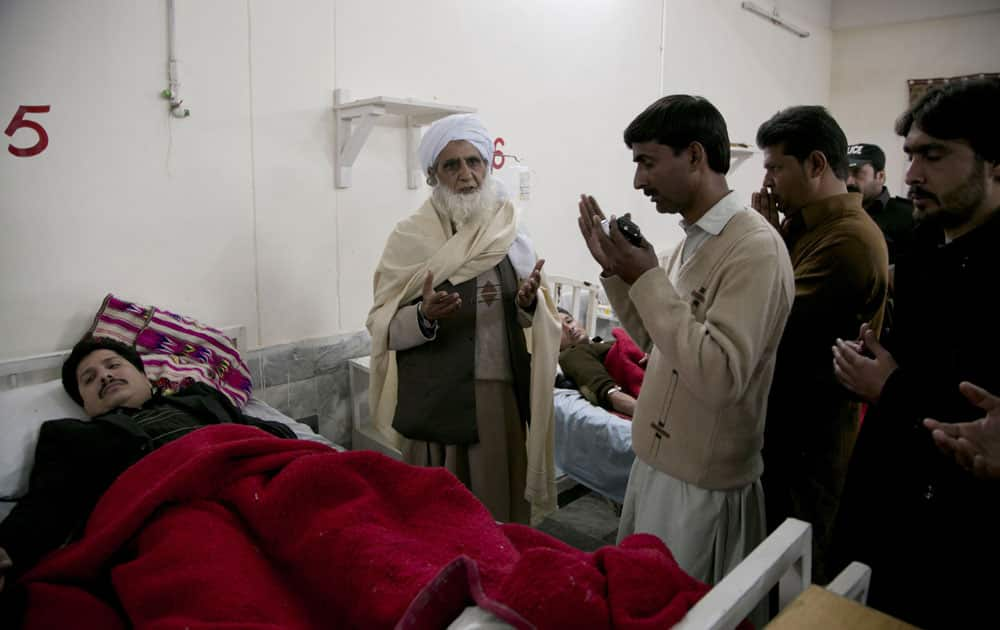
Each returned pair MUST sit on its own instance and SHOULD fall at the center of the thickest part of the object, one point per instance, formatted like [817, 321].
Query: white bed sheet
[593, 446]
[262, 411]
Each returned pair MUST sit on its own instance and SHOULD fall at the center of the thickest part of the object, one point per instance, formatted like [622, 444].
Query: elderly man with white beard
[455, 379]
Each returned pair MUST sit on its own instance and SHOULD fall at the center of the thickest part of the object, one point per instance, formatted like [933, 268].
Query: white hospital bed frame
[580, 298]
[784, 560]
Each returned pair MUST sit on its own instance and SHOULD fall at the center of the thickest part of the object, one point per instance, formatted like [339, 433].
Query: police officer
[894, 215]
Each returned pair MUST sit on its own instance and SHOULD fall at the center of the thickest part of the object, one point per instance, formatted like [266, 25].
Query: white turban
[455, 127]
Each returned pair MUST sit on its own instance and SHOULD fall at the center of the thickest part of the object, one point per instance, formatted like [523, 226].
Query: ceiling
[846, 14]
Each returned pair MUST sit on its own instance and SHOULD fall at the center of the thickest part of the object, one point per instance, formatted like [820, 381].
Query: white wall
[231, 215]
[748, 67]
[558, 80]
[871, 67]
[291, 49]
[124, 199]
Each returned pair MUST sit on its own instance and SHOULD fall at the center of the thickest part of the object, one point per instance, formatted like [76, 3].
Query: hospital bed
[783, 560]
[593, 446]
[30, 396]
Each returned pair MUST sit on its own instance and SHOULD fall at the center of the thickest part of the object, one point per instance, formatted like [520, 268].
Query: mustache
[916, 192]
[109, 384]
[853, 188]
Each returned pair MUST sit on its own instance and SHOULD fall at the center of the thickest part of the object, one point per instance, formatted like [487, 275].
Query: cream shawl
[424, 242]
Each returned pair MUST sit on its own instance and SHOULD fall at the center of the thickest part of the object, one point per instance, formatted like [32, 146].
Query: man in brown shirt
[841, 277]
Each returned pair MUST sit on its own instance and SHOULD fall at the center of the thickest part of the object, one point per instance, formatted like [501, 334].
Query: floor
[585, 520]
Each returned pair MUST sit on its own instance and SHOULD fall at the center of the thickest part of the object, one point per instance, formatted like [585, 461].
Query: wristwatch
[426, 326]
[613, 390]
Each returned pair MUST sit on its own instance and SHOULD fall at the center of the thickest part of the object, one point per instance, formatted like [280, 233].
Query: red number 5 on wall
[19, 121]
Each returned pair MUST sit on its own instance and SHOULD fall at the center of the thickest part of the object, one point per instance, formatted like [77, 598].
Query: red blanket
[625, 363]
[231, 528]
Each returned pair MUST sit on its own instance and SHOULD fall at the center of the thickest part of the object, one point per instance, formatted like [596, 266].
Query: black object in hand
[627, 227]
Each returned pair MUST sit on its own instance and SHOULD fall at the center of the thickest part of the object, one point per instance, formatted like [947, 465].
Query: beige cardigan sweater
[712, 328]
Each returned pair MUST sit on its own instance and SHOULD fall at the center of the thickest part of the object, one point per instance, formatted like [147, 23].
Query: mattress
[593, 446]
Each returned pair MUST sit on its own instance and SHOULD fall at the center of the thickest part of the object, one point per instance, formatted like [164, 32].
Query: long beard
[468, 207]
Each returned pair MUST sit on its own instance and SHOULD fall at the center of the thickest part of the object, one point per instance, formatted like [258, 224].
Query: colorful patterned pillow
[176, 350]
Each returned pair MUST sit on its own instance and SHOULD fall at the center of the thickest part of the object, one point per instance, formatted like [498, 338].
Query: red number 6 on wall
[19, 121]
[498, 157]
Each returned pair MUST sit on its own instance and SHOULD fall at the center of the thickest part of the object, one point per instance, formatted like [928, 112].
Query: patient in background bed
[76, 461]
[586, 364]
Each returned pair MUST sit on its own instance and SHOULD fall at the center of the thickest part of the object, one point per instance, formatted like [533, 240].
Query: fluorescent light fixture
[773, 17]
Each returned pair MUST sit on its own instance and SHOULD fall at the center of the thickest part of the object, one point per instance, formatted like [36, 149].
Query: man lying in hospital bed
[76, 461]
[181, 510]
[607, 373]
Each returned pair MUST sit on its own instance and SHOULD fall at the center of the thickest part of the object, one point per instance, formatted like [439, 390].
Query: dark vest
[436, 400]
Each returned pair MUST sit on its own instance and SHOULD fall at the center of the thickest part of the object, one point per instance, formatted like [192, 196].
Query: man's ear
[696, 154]
[880, 178]
[816, 164]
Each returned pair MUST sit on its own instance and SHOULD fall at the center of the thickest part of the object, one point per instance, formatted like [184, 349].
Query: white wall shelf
[355, 120]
